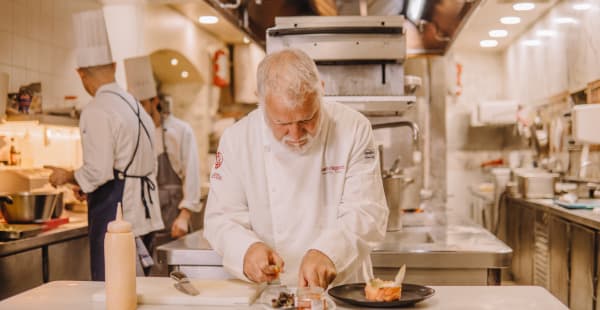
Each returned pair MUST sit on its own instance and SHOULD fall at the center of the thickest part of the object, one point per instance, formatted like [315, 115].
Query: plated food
[380, 290]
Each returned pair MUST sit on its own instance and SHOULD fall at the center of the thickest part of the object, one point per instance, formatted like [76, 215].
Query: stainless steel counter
[441, 249]
[584, 217]
[76, 227]
[58, 254]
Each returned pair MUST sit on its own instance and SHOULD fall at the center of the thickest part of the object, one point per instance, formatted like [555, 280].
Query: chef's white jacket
[109, 130]
[183, 156]
[330, 199]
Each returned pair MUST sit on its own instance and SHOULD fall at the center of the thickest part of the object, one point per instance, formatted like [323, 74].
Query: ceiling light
[185, 74]
[523, 6]
[208, 19]
[414, 10]
[246, 40]
[174, 61]
[565, 20]
[488, 43]
[532, 42]
[498, 33]
[510, 20]
[582, 6]
[545, 33]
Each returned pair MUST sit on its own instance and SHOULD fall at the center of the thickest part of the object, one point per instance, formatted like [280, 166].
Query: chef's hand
[60, 176]
[316, 269]
[261, 263]
[79, 194]
[181, 223]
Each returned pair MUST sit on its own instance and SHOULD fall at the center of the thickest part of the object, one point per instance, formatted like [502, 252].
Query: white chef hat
[140, 81]
[91, 39]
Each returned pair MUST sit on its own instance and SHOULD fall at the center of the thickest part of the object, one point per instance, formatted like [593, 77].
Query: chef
[118, 159]
[296, 191]
[175, 147]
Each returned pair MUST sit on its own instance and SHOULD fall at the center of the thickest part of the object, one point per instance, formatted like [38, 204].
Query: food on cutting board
[381, 290]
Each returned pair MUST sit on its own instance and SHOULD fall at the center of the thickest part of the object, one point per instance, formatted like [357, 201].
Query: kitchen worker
[117, 140]
[296, 186]
[175, 147]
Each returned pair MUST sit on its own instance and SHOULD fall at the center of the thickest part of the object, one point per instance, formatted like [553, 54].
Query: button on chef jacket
[330, 199]
[183, 156]
[109, 131]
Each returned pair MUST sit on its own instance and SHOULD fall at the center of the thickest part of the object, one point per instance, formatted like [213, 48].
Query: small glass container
[312, 298]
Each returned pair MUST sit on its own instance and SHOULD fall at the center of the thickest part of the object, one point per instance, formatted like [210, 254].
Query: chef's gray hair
[290, 74]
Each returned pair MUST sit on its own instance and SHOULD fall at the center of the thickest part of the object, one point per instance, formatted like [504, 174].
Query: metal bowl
[28, 207]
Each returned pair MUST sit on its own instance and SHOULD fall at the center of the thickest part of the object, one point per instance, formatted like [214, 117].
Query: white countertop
[61, 295]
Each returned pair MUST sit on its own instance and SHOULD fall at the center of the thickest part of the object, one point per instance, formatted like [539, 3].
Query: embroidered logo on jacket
[216, 176]
[369, 154]
[218, 160]
[332, 169]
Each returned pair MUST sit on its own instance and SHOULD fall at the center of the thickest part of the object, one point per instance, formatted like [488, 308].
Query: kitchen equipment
[183, 283]
[23, 179]
[585, 123]
[536, 184]
[59, 207]
[354, 294]
[588, 204]
[10, 232]
[27, 207]
[160, 291]
[393, 187]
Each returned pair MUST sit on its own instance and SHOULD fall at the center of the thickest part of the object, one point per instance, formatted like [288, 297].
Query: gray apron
[170, 193]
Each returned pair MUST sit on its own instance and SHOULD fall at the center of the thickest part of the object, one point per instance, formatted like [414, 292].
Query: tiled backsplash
[36, 45]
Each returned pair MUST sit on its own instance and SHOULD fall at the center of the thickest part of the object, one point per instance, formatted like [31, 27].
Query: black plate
[354, 294]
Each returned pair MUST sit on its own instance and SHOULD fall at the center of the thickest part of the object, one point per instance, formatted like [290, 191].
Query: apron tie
[147, 187]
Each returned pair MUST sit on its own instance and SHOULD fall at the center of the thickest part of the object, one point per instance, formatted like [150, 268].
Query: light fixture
[174, 61]
[246, 40]
[582, 6]
[488, 43]
[208, 19]
[185, 74]
[498, 33]
[565, 20]
[510, 20]
[414, 10]
[545, 33]
[532, 42]
[523, 6]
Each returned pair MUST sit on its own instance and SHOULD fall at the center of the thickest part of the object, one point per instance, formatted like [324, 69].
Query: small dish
[354, 294]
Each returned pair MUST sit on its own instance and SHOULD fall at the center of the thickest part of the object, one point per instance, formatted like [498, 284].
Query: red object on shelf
[53, 223]
[492, 163]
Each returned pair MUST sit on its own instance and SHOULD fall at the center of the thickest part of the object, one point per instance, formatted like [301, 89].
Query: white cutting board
[160, 291]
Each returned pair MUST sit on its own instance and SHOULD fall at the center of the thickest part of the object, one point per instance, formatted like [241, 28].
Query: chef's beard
[305, 143]
[300, 146]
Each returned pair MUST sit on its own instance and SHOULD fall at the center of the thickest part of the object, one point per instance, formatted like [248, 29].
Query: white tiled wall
[36, 45]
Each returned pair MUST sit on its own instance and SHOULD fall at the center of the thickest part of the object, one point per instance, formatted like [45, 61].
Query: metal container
[536, 184]
[28, 207]
[393, 187]
[59, 207]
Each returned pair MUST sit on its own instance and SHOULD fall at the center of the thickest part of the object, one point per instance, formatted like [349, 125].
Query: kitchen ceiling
[487, 18]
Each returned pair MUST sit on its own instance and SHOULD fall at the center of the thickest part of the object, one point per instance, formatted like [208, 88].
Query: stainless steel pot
[28, 207]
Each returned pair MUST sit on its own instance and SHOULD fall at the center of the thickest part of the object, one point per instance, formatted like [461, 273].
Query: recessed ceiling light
[488, 43]
[185, 74]
[532, 42]
[208, 19]
[498, 33]
[246, 40]
[582, 6]
[523, 6]
[510, 20]
[545, 33]
[174, 61]
[565, 20]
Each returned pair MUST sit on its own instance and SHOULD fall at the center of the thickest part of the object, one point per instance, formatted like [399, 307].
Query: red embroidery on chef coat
[216, 176]
[332, 169]
[219, 160]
